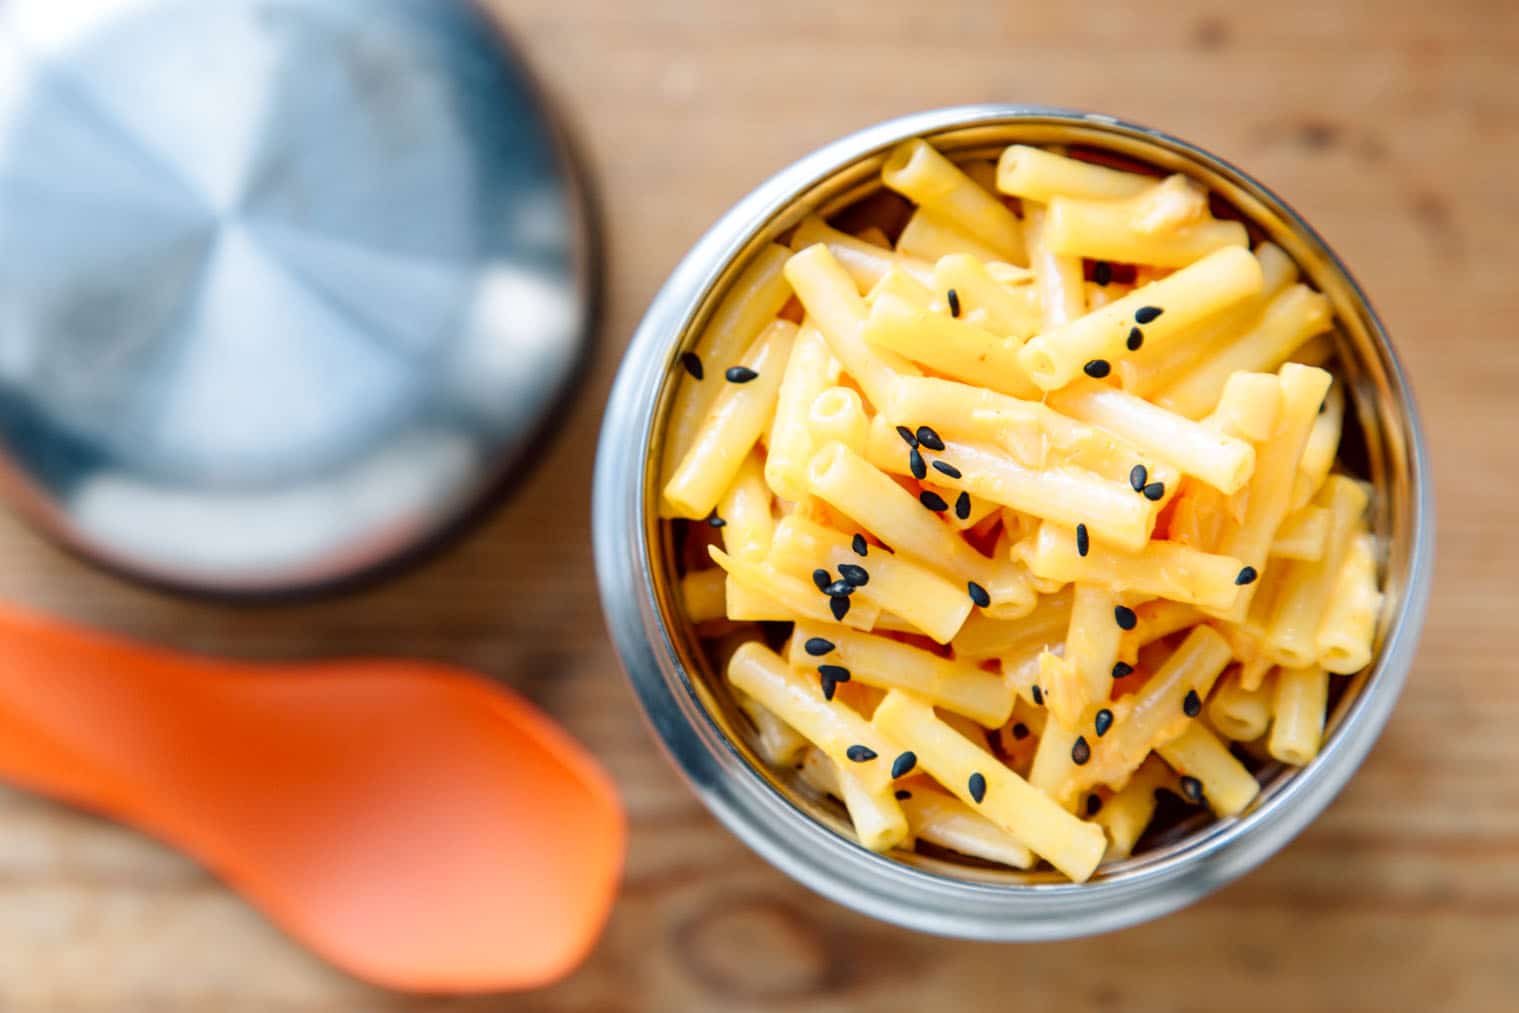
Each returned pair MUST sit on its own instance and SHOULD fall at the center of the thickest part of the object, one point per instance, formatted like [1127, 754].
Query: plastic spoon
[415, 824]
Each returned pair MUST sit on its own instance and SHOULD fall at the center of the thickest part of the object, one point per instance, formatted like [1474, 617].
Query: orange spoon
[414, 824]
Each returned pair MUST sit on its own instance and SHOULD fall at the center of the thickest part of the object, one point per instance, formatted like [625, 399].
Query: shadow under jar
[809, 836]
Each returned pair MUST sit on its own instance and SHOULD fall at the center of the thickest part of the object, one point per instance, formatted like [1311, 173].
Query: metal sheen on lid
[286, 286]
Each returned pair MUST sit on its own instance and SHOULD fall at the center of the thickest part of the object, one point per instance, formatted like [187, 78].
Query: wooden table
[1393, 125]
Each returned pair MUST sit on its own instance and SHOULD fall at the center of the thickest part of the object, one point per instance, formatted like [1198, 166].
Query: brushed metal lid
[286, 286]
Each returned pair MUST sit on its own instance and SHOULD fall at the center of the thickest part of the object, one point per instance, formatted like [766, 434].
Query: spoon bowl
[414, 824]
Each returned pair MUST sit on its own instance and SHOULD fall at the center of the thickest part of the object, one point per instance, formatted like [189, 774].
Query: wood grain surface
[1393, 125]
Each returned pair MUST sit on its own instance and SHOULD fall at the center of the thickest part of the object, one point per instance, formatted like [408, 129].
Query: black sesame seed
[1083, 543]
[902, 794]
[962, 506]
[692, 362]
[859, 545]
[915, 464]
[1154, 491]
[1102, 273]
[1192, 788]
[860, 754]
[1081, 752]
[903, 764]
[945, 468]
[834, 673]
[933, 501]
[714, 521]
[1103, 722]
[1037, 694]
[828, 686]
[740, 374]
[1192, 704]
[978, 594]
[1138, 476]
[854, 575]
[1094, 804]
[1020, 731]
[822, 579]
[1136, 339]
[1125, 617]
[977, 786]
[929, 438]
[1145, 314]
[817, 646]
[839, 589]
[1245, 576]
[906, 434]
[839, 606]
[953, 298]
[1121, 669]
[1097, 368]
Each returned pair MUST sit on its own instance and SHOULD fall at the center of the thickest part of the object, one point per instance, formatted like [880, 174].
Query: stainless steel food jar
[808, 837]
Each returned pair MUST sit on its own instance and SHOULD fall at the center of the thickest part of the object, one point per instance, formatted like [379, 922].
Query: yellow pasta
[952, 347]
[749, 306]
[1155, 620]
[1157, 713]
[1065, 495]
[1114, 230]
[745, 509]
[1297, 714]
[1160, 570]
[829, 296]
[778, 743]
[828, 724]
[1091, 649]
[981, 782]
[928, 236]
[1249, 407]
[701, 592]
[1166, 356]
[1009, 311]
[864, 261]
[1227, 786]
[877, 816]
[957, 686]
[851, 485]
[898, 284]
[1062, 292]
[1291, 319]
[1053, 771]
[1056, 357]
[1318, 455]
[915, 170]
[1041, 175]
[733, 426]
[1126, 815]
[1344, 638]
[1036, 546]
[1303, 535]
[1303, 389]
[983, 637]
[838, 416]
[1239, 713]
[810, 370]
[797, 598]
[944, 820]
[1224, 462]
[1307, 586]
[929, 603]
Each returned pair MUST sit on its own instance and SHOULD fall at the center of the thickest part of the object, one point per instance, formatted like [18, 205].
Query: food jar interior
[1377, 446]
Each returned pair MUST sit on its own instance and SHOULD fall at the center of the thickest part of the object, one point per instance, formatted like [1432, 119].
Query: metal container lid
[286, 286]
